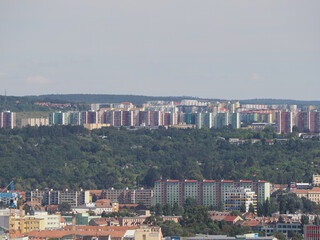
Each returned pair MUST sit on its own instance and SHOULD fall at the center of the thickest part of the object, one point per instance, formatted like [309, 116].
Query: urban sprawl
[41, 214]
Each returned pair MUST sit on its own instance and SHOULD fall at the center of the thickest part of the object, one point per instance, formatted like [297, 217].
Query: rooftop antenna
[5, 100]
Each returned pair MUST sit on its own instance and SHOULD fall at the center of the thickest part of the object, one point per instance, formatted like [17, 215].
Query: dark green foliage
[251, 208]
[64, 207]
[280, 236]
[196, 220]
[71, 157]
[166, 209]
[304, 220]
[171, 228]
[26, 104]
[177, 210]
[291, 203]
[294, 235]
[158, 210]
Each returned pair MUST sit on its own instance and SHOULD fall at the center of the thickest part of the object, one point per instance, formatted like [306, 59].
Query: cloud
[257, 78]
[3, 74]
[38, 80]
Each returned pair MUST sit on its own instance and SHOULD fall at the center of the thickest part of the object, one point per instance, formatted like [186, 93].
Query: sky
[228, 49]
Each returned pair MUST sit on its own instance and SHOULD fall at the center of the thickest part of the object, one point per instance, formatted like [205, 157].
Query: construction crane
[9, 193]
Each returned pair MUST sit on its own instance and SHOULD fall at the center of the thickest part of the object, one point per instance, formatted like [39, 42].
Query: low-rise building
[52, 197]
[100, 206]
[148, 233]
[310, 194]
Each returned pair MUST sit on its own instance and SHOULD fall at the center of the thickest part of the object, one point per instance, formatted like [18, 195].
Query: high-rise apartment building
[284, 122]
[7, 119]
[308, 121]
[208, 193]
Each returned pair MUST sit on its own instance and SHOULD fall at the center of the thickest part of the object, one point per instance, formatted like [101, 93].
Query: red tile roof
[230, 218]
[102, 203]
[172, 180]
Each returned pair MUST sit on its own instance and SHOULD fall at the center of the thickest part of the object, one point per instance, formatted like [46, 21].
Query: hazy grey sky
[231, 49]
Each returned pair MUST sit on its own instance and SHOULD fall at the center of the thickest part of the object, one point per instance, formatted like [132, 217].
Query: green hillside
[27, 104]
[71, 157]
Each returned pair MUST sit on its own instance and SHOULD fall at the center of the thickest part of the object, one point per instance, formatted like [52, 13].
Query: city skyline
[208, 49]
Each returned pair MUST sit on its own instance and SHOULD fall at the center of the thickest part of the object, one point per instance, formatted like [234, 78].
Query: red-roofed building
[232, 219]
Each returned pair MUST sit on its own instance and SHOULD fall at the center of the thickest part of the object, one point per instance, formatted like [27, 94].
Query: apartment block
[210, 193]
[284, 122]
[129, 196]
[7, 119]
[52, 197]
[34, 122]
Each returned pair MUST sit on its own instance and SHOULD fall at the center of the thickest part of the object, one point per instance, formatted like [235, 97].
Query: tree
[304, 220]
[260, 210]
[158, 209]
[167, 210]
[251, 208]
[141, 206]
[280, 236]
[316, 220]
[64, 207]
[171, 228]
[177, 209]
[294, 235]
[243, 208]
[196, 219]
[281, 220]
[190, 202]
[94, 198]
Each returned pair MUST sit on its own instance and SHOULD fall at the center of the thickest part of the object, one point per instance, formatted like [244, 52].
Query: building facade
[52, 197]
[129, 196]
[234, 198]
[208, 193]
[7, 119]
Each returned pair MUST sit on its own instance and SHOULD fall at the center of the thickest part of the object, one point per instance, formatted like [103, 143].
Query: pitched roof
[103, 203]
[32, 203]
[231, 218]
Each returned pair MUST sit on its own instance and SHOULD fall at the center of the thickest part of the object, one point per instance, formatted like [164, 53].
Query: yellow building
[316, 180]
[310, 194]
[30, 223]
[148, 233]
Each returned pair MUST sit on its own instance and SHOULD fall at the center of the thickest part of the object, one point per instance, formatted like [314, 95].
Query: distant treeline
[299, 103]
[112, 98]
[26, 104]
[140, 99]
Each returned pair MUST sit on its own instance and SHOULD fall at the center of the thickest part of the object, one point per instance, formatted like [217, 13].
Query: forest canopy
[72, 157]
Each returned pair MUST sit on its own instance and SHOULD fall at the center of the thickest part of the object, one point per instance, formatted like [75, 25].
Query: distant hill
[140, 99]
[112, 98]
[27, 104]
[280, 102]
